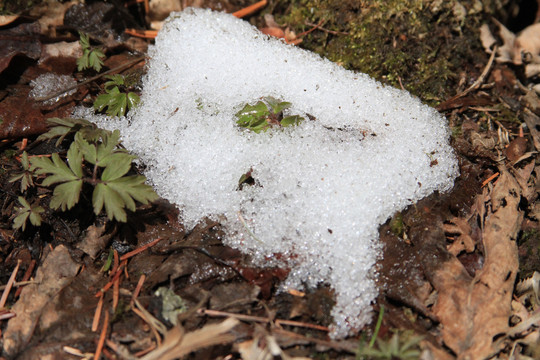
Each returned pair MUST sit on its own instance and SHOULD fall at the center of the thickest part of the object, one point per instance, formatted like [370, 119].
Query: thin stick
[478, 81]
[19, 284]
[327, 30]
[261, 319]
[108, 285]
[116, 262]
[489, 179]
[9, 284]
[102, 336]
[97, 314]
[4, 315]
[139, 250]
[116, 293]
[138, 288]
[26, 276]
[317, 26]
[250, 9]
[342, 346]
[116, 69]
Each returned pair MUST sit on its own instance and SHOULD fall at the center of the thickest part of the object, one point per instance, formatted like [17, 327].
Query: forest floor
[458, 277]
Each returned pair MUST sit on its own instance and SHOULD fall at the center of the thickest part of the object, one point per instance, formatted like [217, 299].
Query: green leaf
[133, 100]
[118, 106]
[115, 195]
[249, 112]
[25, 176]
[253, 117]
[24, 203]
[16, 177]
[35, 217]
[84, 40]
[291, 120]
[62, 127]
[66, 195]
[74, 158]
[59, 170]
[82, 62]
[20, 220]
[113, 100]
[114, 205]
[88, 150]
[114, 80]
[276, 105]
[109, 142]
[117, 165]
[27, 212]
[95, 59]
[24, 161]
[91, 57]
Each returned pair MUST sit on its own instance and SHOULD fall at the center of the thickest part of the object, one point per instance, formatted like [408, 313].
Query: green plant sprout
[94, 158]
[116, 101]
[92, 57]
[404, 346]
[265, 114]
[63, 127]
[25, 213]
[26, 175]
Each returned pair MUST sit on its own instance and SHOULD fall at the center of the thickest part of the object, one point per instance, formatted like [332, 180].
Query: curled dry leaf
[7, 19]
[464, 241]
[520, 49]
[475, 312]
[177, 343]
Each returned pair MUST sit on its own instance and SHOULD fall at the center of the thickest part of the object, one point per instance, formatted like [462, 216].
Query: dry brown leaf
[94, 241]
[51, 14]
[505, 52]
[486, 37]
[522, 177]
[533, 124]
[56, 272]
[527, 46]
[464, 242]
[7, 19]
[177, 343]
[474, 311]
[263, 347]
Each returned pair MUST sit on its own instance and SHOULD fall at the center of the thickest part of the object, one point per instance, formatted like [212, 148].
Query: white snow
[324, 186]
[48, 84]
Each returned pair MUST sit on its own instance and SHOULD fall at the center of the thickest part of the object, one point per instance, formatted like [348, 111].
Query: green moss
[409, 43]
[396, 225]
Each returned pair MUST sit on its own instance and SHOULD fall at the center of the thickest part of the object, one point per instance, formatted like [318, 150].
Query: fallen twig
[139, 250]
[9, 285]
[250, 9]
[97, 314]
[25, 278]
[333, 32]
[102, 336]
[260, 319]
[475, 85]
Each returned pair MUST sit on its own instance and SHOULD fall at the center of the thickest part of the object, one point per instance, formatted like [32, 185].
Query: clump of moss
[419, 45]
[397, 227]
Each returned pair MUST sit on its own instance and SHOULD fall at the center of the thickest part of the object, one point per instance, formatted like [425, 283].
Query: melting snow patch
[322, 187]
[48, 84]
